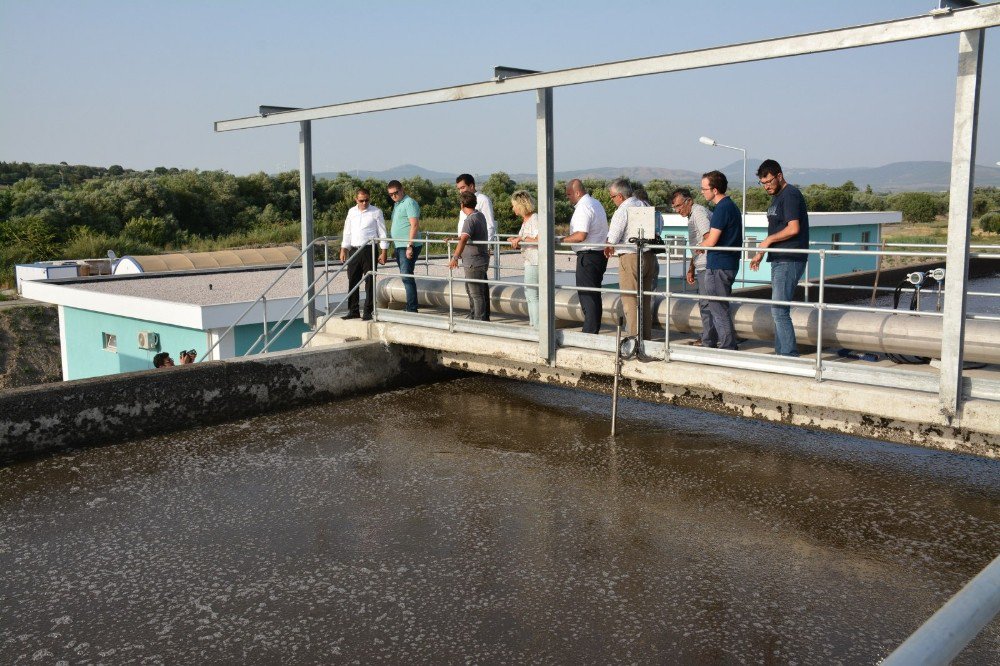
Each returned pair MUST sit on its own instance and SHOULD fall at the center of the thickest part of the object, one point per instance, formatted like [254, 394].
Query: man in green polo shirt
[405, 224]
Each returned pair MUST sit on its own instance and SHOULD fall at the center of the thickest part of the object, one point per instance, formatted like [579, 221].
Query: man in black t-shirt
[788, 229]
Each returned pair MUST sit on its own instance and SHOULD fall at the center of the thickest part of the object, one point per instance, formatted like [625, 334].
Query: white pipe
[898, 332]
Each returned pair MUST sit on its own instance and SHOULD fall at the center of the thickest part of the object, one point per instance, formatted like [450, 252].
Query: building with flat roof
[113, 324]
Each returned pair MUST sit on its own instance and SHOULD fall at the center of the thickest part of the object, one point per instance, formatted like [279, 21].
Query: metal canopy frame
[971, 23]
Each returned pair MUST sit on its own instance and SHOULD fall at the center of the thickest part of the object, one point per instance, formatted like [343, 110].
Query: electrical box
[149, 340]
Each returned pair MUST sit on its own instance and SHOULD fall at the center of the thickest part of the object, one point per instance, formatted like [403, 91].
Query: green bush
[990, 223]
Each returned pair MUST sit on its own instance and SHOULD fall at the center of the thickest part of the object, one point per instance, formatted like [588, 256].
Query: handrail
[308, 302]
[265, 292]
[942, 637]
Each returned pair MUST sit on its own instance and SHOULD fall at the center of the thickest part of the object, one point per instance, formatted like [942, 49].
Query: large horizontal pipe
[890, 332]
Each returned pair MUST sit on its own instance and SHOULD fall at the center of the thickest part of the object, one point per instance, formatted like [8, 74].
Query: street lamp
[712, 142]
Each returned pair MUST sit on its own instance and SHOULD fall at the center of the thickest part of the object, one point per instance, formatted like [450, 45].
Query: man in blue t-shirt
[405, 226]
[726, 230]
[788, 229]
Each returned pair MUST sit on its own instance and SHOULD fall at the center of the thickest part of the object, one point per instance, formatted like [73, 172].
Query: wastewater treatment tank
[491, 521]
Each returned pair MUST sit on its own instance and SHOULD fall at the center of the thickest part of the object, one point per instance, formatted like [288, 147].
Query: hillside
[928, 176]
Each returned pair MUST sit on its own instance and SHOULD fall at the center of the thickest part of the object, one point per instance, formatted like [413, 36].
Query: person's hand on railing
[609, 251]
[515, 242]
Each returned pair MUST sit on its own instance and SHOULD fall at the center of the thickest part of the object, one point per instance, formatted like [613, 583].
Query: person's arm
[414, 230]
[486, 208]
[382, 233]
[462, 241]
[616, 234]
[712, 237]
[791, 230]
[345, 240]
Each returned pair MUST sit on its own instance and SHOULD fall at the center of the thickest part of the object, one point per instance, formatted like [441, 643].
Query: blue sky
[140, 83]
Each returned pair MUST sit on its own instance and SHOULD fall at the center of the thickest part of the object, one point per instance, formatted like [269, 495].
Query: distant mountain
[895, 177]
[401, 172]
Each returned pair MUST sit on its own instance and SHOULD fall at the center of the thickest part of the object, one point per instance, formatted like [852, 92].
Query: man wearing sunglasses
[363, 224]
[405, 224]
[787, 228]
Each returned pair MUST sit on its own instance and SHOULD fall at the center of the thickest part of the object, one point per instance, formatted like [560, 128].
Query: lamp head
[708, 142]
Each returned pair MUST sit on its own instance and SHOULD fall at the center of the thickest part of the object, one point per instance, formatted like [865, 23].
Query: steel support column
[546, 226]
[306, 208]
[963, 160]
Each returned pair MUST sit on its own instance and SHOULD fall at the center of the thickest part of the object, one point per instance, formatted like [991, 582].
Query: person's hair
[362, 190]
[641, 194]
[394, 183]
[468, 199]
[160, 359]
[466, 178]
[683, 191]
[620, 186]
[768, 168]
[576, 185]
[717, 180]
[522, 202]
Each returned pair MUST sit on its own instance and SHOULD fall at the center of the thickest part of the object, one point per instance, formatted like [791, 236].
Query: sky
[140, 84]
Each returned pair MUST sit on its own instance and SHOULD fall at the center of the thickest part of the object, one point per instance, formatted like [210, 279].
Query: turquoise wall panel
[85, 353]
[247, 334]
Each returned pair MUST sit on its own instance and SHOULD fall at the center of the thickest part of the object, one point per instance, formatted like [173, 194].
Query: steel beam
[306, 210]
[963, 159]
[887, 32]
[544, 151]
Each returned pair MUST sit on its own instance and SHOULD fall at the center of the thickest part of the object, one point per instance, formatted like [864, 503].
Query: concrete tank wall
[86, 412]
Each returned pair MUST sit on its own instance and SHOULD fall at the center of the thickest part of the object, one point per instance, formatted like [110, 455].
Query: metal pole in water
[618, 372]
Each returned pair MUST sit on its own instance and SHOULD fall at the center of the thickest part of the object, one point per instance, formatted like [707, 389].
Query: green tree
[916, 207]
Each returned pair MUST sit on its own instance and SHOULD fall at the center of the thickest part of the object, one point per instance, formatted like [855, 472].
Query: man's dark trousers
[590, 267]
[356, 267]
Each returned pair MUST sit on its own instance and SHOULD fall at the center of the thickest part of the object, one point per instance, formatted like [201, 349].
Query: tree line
[53, 211]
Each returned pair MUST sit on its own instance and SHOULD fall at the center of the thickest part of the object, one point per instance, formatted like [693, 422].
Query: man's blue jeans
[406, 268]
[785, 275]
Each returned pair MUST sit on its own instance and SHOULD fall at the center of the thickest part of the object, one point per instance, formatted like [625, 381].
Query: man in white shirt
[364, 222]
[589, 225]
[466, 183]
[628, 260]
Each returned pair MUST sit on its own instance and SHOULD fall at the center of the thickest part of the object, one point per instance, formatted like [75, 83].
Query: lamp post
[712, 142]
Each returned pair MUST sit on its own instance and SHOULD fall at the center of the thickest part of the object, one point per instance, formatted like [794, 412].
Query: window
[866, 237]
[109, 342]
[835, 239]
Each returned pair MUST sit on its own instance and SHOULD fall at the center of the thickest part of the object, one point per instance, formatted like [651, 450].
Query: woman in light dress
[526, 241]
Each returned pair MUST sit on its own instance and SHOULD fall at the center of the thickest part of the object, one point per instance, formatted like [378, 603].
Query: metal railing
[818, 366]
[262, 299]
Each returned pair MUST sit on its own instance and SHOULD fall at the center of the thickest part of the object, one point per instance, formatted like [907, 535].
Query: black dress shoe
[366, 316]
[351, 315]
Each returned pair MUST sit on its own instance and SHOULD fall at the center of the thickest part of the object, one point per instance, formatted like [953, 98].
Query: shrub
[990, 223]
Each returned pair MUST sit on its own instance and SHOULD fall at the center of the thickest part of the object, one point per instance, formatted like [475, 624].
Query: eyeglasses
[707, 189]
[768, 181]
[362, 200]
[615, 195]
[393, 193]
[678, 206]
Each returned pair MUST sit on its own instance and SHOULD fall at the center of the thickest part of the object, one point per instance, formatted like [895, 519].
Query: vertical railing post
[821, 306]
[963, 157]
[266, 343]
[546, 225]
[451, 291]
[306, 209]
